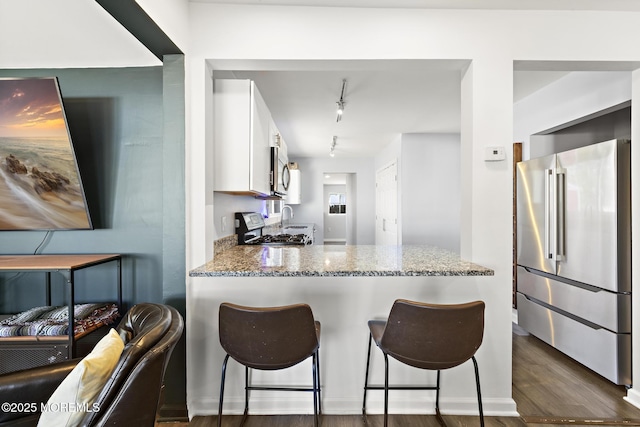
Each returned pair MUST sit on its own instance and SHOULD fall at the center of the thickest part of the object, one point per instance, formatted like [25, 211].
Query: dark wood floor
[548, 387]
[353, 421]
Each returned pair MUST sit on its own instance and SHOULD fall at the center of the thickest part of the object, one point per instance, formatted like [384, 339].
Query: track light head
[332, 152]
[340, 102]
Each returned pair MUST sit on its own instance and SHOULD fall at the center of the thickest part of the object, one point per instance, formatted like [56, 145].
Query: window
[337, 203]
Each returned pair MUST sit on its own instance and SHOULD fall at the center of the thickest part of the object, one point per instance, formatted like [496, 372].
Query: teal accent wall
[127, 126]
[173, 221]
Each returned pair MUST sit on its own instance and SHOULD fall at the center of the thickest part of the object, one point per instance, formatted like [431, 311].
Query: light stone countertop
[331, 260]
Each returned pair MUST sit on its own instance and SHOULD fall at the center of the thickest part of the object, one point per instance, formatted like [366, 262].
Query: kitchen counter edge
[408, 261]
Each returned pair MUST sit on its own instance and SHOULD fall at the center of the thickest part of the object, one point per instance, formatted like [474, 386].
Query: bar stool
[427, 336]
[270, 338]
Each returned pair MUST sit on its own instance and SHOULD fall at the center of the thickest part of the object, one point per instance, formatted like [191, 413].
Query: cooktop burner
[249, 228]
[281, 239]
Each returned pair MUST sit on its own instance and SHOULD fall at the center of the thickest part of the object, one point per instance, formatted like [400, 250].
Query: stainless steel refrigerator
[574, 254]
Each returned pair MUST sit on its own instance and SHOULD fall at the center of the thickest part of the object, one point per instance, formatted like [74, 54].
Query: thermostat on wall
[494, 154]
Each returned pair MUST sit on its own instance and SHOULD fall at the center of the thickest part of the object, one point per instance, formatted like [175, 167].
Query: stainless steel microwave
[280, 176]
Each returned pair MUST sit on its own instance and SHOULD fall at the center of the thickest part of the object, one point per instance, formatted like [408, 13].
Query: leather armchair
[132, 393]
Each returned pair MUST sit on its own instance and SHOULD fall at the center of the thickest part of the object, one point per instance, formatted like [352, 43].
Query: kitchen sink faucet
[290, 212]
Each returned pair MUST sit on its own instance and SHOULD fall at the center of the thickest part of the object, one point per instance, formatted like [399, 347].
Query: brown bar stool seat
[427, 336]
[270, 338]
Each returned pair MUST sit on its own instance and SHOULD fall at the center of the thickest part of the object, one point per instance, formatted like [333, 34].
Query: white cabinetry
[241, 138]
[294, 196]
[275, 139]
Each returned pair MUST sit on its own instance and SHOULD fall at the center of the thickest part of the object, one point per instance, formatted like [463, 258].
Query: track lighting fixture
[340, 102]
[333, 146]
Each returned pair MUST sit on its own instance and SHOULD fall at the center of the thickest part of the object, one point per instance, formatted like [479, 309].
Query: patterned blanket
[52, 321]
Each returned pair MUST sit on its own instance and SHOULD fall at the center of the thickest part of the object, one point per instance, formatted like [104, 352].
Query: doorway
[338, 208]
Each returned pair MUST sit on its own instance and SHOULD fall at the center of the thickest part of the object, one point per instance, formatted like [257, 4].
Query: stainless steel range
[249, 228]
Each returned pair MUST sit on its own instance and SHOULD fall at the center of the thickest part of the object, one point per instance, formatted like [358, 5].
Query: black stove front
[249, 227]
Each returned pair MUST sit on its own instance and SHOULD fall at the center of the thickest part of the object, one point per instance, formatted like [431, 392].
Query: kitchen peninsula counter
[346, 286]
[330, 260]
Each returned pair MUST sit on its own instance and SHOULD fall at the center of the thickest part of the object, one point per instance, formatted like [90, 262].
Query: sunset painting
[40, 188]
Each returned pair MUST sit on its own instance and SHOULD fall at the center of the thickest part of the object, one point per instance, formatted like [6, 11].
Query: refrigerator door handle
[549, 215]
[560, 213]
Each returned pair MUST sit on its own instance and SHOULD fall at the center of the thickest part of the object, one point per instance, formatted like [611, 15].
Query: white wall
[575, 96]
[172, 16]
[311, 209]
[430, 190]
[343, 305]
[390, 153]
[226, 205]
[491, 41]
[633, 395]
[66, 34]
[614, 125]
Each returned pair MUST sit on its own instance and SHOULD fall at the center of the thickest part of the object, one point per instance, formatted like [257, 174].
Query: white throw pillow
[77, 393]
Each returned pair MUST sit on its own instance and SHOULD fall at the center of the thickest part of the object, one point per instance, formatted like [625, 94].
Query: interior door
[387, 205]
[536, 214]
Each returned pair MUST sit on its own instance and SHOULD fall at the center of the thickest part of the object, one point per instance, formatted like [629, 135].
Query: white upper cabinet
[294, 193]
[241, 136]
[275, 139]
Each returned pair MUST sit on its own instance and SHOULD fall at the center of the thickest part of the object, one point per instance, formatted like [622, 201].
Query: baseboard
[633, 397]
[498, 407]
[495, 407]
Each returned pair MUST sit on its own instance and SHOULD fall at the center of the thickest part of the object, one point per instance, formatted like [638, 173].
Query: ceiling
[380, 104]
[619, 5]
[382, 100]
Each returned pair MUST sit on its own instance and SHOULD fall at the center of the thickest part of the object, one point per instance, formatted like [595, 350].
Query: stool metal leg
[386, 388]
[319, 386]
[438, 414]
[224, 371]
[247, 387]
[366, 379]
[314, 369]
[475, 367]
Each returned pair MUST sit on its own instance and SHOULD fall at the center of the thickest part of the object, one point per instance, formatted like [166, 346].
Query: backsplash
[224, 243]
